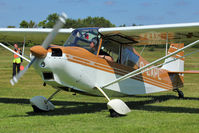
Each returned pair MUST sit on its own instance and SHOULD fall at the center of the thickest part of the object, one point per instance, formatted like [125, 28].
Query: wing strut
[148, 65]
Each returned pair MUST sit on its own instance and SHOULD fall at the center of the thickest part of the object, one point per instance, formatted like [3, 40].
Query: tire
[180, 94]
[113, 113]
[37, 110]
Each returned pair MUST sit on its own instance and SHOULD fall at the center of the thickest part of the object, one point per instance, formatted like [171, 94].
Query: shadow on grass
[142, 105]
[70, 107]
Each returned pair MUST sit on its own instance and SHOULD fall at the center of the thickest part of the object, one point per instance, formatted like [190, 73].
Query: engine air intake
[48, 75]
[56, 52]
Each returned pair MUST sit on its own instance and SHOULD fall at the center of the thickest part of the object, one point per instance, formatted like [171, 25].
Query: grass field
[154, 113]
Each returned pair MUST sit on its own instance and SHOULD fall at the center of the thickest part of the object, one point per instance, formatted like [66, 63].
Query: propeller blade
[45, 45]
[58, 25]
[16, 78]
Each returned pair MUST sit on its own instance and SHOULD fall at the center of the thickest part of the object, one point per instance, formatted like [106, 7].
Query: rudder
[177, 65]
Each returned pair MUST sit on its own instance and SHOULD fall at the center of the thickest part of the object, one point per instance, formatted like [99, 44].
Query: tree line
[51, 19]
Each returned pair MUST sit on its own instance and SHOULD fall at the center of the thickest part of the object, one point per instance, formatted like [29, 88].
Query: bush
[152, 48]
[30, 45]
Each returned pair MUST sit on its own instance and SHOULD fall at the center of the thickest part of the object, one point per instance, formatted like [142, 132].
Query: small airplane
[104, 62]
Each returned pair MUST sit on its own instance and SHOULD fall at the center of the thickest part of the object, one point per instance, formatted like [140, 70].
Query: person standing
[17, 60]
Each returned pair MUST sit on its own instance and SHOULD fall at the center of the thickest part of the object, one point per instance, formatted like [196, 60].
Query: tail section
[177, 65]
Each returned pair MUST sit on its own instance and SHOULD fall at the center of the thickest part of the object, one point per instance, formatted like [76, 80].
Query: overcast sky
[145, 12]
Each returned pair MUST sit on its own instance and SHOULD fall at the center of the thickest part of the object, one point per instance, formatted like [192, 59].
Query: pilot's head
[94, 43]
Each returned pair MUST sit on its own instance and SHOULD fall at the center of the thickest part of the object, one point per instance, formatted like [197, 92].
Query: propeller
[45, 45]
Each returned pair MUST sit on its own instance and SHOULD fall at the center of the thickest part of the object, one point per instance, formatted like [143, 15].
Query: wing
[36, 35]
[153, 34]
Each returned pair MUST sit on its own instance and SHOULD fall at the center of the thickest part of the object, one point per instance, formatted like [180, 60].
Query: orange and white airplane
[103, 61]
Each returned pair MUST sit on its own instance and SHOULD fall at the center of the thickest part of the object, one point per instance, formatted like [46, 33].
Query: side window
[110, 48]
[128, 57]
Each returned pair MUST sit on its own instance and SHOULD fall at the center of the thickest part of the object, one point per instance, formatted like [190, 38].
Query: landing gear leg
[41, 104]
[180, 93]
[116, 106]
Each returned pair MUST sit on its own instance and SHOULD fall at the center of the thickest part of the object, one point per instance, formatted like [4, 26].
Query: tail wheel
[180, 94]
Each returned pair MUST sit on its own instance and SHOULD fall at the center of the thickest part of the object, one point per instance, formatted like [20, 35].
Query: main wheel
[40, 104]
[37, 110]
[113, 113]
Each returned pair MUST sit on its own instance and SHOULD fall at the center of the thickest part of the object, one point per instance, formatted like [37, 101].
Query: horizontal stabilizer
[185, 72]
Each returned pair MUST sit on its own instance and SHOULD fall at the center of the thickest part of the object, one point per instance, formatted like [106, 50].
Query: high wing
[35, 35]
[139, 35]
[153, 34]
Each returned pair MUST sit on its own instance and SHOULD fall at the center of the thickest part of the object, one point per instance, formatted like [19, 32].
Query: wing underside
[135, 35]
[34, 35]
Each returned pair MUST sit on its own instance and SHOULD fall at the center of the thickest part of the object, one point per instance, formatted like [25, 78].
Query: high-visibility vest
[17, 59]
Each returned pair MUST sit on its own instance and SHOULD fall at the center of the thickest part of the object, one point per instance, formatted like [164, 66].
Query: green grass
[159, 112]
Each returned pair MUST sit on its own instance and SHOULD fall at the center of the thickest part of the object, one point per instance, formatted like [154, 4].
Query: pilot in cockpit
[102, 54]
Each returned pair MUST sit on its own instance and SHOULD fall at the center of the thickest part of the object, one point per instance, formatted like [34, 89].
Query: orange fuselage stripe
[83, 57]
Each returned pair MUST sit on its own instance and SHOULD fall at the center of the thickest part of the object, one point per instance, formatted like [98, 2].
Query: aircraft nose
[38, 51]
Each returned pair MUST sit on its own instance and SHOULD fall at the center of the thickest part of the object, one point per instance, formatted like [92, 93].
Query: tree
[50, 21]
[31, 24]
[88, 22]
[123, 25]
[11, 26]
[71, 23]
[42, 24]
[24, 24]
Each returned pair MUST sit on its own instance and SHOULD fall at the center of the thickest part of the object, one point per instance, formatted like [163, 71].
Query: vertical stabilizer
[177, 65]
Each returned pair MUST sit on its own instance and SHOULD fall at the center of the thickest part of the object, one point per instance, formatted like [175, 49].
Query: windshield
[83, 38]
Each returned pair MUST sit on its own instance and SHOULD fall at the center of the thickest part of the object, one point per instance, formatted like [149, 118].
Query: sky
[144, 12]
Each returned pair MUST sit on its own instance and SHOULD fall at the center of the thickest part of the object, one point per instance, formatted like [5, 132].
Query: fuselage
[79, 69]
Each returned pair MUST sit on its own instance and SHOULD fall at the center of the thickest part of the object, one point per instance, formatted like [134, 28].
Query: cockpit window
[82, 38]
